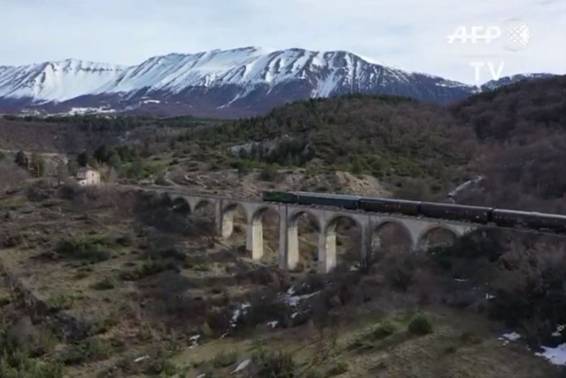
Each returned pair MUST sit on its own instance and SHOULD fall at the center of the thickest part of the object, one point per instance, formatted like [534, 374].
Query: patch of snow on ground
[294, 300]
[508, 337]
[241, 366]
[142, 358]
[273, 324]
[87, 110]
[556, 356]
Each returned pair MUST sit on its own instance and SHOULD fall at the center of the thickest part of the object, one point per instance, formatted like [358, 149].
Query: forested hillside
[515, 137]
[522, 132]
[405, 143]
[73, 135]
[516, 113]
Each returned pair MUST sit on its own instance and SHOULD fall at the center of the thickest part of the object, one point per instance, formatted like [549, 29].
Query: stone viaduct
[418, 229]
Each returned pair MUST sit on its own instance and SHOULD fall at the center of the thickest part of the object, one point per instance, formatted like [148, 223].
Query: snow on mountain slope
[56, 81]
[238, 81]
[175, 72]
[250, 66]
[323, 73]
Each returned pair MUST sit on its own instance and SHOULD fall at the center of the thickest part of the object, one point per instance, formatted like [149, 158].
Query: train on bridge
[475, 214]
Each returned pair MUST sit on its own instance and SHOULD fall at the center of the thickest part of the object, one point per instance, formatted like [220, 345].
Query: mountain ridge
[229, 83]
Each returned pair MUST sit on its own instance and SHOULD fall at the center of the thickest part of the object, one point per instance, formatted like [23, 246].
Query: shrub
[162, 181]
[105, 284]
[219, 321]
[93, 349]
[17, 365]
[148, 268]
[164, 247]
[314, 374]
[60, 302]
[39, 191]
[420, 325]
[16, 362]
[264, 307]
[370, 340]
[400, 271]
[223, 359]
[384, 330]
[340, 368]
[70, 191]
[275, 365]
[268, 173]
[90, 249]
[125, 240]
[35, 340]
[11, 241]
[162, 367]
[4, 301]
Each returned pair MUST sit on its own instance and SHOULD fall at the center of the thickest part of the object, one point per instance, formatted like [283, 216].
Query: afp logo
[513, 35]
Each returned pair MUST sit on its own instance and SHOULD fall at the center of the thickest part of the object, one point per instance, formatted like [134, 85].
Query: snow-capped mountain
[56, 81]
[238, 82]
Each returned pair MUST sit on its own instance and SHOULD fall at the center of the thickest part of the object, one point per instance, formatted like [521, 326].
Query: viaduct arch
[417, 230]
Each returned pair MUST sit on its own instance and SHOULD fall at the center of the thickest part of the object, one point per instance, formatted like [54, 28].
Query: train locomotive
[476, 214]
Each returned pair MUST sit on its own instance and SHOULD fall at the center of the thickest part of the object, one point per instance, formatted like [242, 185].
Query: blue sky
[408, 34]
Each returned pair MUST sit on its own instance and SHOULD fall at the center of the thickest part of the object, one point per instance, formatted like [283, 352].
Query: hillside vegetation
[514, 137]
[397, 140]
[122, 282]
[518, 113]
[73, 135]
[522, 132]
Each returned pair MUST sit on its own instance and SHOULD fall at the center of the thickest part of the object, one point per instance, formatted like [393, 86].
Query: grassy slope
[462, 345]
[143, 315]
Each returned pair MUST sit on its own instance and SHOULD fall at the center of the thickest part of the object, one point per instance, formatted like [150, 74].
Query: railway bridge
[418, 229]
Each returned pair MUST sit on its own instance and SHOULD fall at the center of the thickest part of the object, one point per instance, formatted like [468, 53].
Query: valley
[106, 281]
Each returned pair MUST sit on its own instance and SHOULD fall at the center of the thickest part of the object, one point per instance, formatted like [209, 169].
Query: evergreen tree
[114, 160]
[22, 159]
[102, 154]
[83, 159]
[136, 170]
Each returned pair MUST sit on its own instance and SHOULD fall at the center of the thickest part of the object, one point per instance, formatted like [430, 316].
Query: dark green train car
[344, 201]
[283, 197]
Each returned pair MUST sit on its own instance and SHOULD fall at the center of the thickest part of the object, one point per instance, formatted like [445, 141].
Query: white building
[88, 176]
